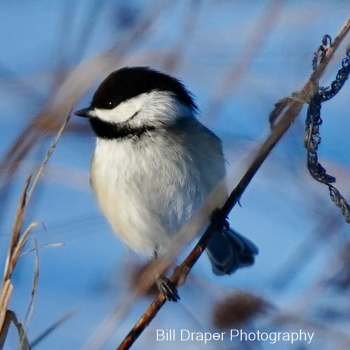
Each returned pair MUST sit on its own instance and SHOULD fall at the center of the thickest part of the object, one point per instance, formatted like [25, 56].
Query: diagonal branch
[278, 131]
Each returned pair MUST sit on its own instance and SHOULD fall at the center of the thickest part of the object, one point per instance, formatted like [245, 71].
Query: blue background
[238, 58]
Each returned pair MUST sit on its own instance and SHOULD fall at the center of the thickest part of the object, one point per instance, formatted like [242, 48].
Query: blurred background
[238, 58]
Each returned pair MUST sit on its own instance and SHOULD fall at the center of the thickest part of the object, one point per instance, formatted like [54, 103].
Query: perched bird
[155, 164]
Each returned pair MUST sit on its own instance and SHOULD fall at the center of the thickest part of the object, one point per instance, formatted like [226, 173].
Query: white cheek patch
[123, 111]
[153, 108]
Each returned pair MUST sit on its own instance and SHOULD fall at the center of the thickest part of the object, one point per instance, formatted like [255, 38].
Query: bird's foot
[167, 288]
[218, 216]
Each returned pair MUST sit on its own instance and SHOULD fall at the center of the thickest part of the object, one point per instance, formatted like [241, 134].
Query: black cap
[130, 82]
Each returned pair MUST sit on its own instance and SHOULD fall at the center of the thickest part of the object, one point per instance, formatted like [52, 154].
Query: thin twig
[11, 317]
[6, 285]
[52, 328]
[30, 308]
[278, 131]
[17, 242]
[48, 154]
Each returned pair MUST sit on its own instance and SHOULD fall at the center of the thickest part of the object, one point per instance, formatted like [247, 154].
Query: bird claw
[218, 216]
[167, 288]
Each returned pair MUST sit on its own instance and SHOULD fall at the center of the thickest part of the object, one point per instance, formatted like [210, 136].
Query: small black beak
[85, 112]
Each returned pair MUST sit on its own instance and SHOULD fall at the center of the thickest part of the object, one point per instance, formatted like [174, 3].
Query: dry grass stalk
[30, 308]
[51, 328]
[17, 242]
[48, 154]
[11, 317]
[12, 255]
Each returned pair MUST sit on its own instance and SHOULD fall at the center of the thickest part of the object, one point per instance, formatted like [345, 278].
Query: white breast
[141, 193]
[149, 188]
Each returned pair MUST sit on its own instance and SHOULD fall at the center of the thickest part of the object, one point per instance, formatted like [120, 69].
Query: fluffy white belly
[145, 195]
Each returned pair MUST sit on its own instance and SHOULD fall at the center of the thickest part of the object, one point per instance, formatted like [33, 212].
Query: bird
[154, 166]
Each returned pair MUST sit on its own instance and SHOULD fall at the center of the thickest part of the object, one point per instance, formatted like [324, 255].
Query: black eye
[110, 104]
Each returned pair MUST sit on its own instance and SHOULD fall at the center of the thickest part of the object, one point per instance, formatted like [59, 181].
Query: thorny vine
[313, 122]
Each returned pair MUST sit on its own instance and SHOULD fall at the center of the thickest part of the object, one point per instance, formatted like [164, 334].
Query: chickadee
[155, 165]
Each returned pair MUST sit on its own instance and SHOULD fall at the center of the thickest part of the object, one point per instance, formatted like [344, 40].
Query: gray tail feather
[229, 251]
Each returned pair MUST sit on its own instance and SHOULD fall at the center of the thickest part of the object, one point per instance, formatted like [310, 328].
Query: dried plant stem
[30, 308]
[278, 131]
[11, 317]
[17, 242]
[48, 154]
[51, 328]
[6, 286]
